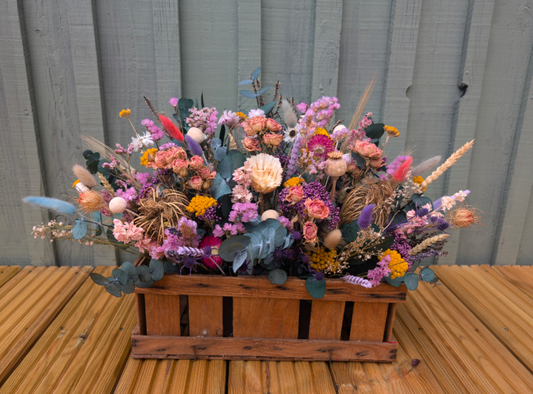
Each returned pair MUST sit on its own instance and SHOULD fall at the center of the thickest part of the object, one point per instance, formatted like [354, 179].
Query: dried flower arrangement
[272, 193]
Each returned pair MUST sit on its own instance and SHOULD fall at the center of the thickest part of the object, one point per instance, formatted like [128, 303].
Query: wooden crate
[248, 318]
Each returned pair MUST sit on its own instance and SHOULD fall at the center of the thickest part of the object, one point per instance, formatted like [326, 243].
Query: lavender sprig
[357, 280]
[189, 251]
[293, 159]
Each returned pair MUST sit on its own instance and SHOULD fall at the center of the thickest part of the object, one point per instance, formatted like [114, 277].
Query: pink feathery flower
[400, 174]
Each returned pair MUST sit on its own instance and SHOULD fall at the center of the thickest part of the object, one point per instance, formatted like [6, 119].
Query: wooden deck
[60, 333]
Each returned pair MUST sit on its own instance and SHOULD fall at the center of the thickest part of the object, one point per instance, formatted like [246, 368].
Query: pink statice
[229, 118]
[229, 229]
[382, 270]
[302, 107]
[205, 119]
[126, 232]
[143, 245]
[243, 212]
[240, 193]
[318, 114]
[243, 175]
[156, 132]
[217, 231]
[120, 150]
[128, 195]
[359, 133]
[113, 163]
[285, 222]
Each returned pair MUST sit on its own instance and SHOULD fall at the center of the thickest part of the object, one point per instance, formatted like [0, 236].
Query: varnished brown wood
[391, 313]
[368, 321]
[250, 286]
[265, 318]
[326, 319]
[205, 316]
[162, 314]
[144, 346]
[141, 314]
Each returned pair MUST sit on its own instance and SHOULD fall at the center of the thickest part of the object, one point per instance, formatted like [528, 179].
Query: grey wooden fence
[446, 71]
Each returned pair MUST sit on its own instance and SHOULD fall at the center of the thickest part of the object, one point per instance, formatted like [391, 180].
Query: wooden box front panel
[162, 314]
[265, 318]
[326, 319]
[205, 316]
[368, 321]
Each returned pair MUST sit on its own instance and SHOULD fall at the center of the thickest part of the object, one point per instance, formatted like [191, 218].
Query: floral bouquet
[284, 190]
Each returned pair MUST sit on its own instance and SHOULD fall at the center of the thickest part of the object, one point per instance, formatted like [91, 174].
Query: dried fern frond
[447, 164]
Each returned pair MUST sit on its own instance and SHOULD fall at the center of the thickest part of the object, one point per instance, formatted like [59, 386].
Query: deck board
[61, 333]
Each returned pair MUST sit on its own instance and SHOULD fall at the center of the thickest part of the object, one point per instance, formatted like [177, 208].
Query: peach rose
[164, 159]
[296, 193]
[376, 163]
[254, 125]
[251, 144]
[206, 173]
[316, 209]
[196, 162]
[272, 125]
[310, 230]
[368, 149]
[196, 182]
[272, 139]
[180, 167]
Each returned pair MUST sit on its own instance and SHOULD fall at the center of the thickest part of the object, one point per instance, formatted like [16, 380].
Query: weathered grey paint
[69, 67]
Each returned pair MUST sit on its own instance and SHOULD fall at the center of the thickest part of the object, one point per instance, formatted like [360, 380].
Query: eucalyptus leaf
[256, 244]
[114, 289]
[397, 282]
[315, 288]
[220, 189]
[415, 266]
[245, 82]
[350, 231]
[230, 163]
[411, 281]
[99, 279]
[97, 217]
[262, 91]
[268, 107]
[427, 275]
[157, 270]
[129, 287]
[255, 74]
[239, 260]
[215, 143]
[171, 268]
[277, 277]
[120, 275]
[220, 153]
[281, 234]
[248, 94]
[150, 283]
[80, 229]
[232, 246]
[144, 274]
[375, 130]
[130, 271]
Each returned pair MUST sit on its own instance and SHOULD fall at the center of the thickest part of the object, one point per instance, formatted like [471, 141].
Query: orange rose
[272, 125]
[272, 139]
[254, 125]
[251, 144]
[196, 182]
[316, 209]
[296, 193]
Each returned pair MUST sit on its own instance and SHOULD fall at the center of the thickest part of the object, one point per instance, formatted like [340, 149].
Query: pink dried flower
[320, 146]
[310, 230]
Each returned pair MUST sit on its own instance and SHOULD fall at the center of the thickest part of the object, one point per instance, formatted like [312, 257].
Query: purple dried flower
[293, 159]
[365, 219]
[193, 146]
[357, 280]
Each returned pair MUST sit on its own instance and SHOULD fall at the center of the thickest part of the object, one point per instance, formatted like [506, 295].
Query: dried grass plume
[447, 164]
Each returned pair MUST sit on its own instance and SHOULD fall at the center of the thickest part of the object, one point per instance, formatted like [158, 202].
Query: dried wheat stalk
[447, 164]
[427, 243]
[106, 185]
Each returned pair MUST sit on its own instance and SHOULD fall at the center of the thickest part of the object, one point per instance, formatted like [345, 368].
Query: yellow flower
[419, 180]
[200, 204]
[242, 116]
[321, 260]
[144, 157]
[75, 183]
[294, 181]
[397, 264]
[321, 131]
[391, 131]
[125, 113]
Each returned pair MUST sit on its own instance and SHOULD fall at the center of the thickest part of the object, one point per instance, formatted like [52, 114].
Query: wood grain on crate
[453, 338]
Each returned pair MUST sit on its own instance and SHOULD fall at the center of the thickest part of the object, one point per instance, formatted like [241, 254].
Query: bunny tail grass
[52, 204]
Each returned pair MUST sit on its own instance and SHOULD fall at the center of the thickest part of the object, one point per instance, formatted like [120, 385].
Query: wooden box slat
[326, 319]
[162, 314]
[368, 321]
[265, 318]
[205, 316]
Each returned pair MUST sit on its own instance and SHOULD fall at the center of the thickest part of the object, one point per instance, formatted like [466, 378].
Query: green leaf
[420, 201]
[97, 217]
[146, 284]
[315, 288]
[215, 143]
[268, 107]
[394, 282]
[202, 100]
[171, 268]
[99, 279]
[130, 270]
[157, 269]
[350, 231]
[277, 277]
[232, 246]
[411, 281]
[240, 259]
[220, 189]
[255, 73]
[245, 82]
[281, 234]
[262, 91]
[256, 241]
[129, 287]
[415, 266]
[120, 276]
[184, 104]
[248, 94]
[386, 244]
[114, 289]
[220, 153]
[375, 130]
[427, 275]
[80, 229]
[144, 274]
[87, 154]
[230, 163]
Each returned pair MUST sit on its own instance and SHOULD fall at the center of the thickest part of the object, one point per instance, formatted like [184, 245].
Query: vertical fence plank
[249, 48]
[364, 53]
[22, 170]
[405, 21]
[525, 250]
[87, 90]
[474, 68]
[502, 97]
[328, 21]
